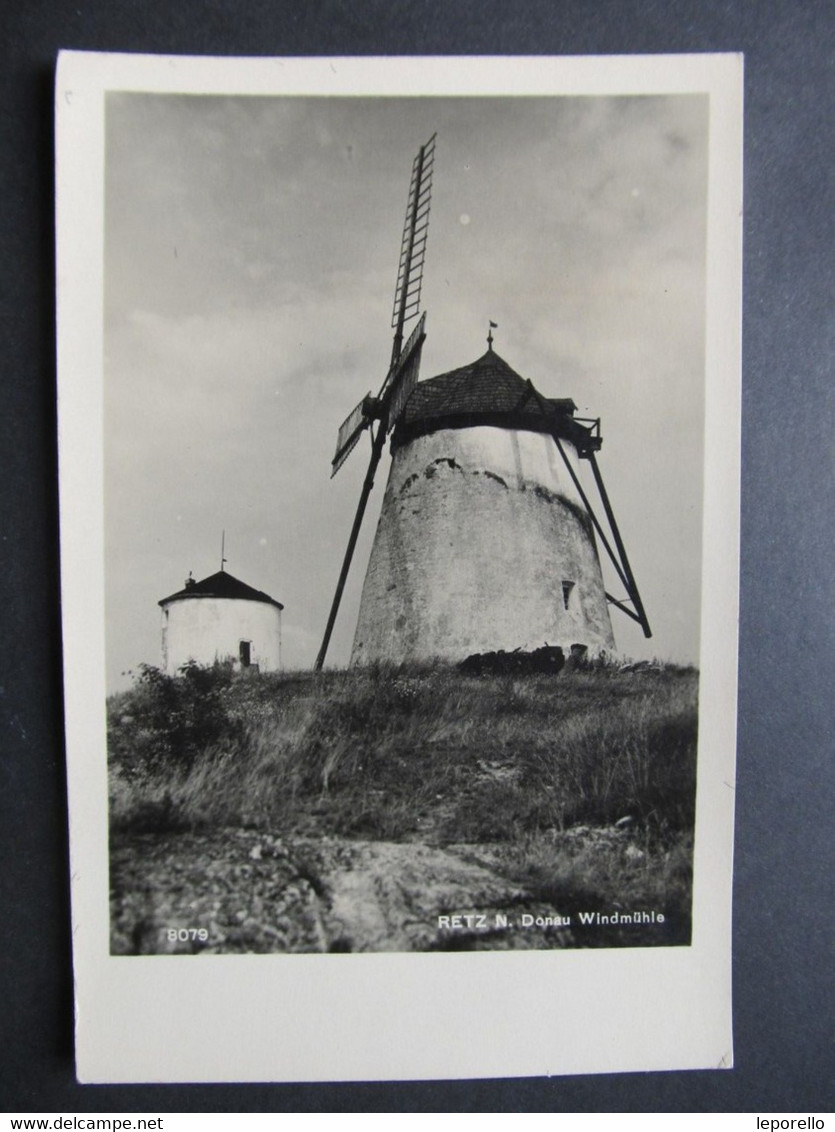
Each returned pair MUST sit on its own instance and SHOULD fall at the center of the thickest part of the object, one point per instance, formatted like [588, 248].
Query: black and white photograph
[484, 756]
[405, 481]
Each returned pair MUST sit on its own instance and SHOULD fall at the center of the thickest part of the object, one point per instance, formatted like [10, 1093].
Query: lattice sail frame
[407, 290]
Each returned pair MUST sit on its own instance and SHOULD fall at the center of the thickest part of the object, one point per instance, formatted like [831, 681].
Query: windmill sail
[405, 374]
[350, 431]
[413, 244]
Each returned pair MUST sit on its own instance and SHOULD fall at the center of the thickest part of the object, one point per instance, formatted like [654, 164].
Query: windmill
[486, 537]
[401, 378]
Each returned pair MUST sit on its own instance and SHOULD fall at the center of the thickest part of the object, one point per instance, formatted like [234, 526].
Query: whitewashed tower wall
[209, 629]
[482, 544]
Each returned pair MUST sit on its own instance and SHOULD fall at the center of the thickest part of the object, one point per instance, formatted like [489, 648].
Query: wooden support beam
[631, 586]
[368, 483]
[623, 608]
[589, 509]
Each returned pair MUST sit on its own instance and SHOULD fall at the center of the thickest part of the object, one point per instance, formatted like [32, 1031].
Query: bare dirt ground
[247, 891]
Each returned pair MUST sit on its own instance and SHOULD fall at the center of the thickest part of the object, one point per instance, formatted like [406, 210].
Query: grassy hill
[580, 786]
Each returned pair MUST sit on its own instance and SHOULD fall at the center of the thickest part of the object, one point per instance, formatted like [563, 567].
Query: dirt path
[393, 897]
[247, 891]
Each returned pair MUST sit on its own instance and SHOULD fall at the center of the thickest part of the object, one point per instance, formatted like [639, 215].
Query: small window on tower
[567, 590]
[245, 653]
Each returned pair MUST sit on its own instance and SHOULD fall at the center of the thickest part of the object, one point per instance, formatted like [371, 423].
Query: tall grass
[393, 753]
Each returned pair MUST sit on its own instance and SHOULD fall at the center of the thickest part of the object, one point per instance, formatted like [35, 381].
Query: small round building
[483, 542]
[221, 619]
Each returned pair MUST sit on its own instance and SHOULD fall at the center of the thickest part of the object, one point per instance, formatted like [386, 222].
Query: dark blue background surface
[783, 903]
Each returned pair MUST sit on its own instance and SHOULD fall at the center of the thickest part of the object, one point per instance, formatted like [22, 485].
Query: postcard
[399, 408]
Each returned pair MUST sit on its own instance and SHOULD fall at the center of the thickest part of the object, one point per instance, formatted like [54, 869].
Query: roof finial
[222, 550]
[493, 326]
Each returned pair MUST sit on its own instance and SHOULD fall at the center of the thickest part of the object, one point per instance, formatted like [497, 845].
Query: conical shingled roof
[225, 585]
[487, 391]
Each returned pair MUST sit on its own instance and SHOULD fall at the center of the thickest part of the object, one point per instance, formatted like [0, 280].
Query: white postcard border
[392, 1016]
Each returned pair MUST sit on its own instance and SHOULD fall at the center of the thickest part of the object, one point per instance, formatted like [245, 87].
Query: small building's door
[245, 653]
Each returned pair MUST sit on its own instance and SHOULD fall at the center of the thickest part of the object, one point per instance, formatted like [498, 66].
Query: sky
[251, 249]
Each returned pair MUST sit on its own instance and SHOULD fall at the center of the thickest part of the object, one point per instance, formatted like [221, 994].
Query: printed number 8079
[183, 935]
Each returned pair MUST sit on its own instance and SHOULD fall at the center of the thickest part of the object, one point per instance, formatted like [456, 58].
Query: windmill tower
[486, 537]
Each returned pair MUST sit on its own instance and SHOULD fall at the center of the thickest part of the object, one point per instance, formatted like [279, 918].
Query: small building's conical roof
[485, 392]
[223, 585]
